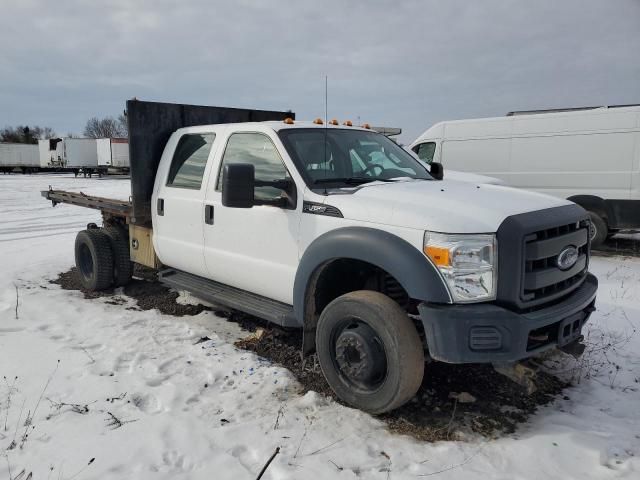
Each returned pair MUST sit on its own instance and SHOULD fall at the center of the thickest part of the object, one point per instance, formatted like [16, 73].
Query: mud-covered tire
[598, 230]
[94, 259]
[122, 265]
[369, 351]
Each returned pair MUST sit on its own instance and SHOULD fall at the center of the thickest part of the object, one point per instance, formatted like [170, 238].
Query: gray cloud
[407, 64]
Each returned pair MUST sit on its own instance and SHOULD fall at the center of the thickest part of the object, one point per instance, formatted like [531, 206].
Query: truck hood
[471, 177]
[442, 206]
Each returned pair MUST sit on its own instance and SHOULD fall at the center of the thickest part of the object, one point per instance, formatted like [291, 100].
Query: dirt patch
[143, 288]
[498, 408]
[498, 405]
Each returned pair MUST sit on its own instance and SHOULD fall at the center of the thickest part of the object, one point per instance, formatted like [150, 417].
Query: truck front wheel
[369, 351]
[94, 259]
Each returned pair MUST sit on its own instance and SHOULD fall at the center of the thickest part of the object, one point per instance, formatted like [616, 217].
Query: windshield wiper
[351, 180]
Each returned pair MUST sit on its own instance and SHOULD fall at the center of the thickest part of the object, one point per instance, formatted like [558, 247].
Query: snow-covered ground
[211, 411]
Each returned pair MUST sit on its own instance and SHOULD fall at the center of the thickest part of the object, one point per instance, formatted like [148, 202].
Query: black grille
[528, 247]
[543, 280]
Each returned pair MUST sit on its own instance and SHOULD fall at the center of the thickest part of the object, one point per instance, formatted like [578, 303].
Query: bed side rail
[110, 206]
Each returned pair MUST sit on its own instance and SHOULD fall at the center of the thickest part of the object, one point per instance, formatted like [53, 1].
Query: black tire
[122, 266]
[598, 230]
[94, 259]
[367, 325]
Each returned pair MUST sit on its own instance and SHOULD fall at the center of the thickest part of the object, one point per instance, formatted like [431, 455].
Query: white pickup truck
[338, 231]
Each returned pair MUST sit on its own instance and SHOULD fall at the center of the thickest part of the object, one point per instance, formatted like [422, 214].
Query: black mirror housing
[238, 182]
[437, 171]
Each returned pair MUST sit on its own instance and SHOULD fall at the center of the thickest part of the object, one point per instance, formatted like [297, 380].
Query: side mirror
[437, 171]
[238, 182]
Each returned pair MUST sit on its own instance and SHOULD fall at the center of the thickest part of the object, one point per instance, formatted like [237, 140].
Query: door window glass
[425, 151]
[258, 150]
[190, 160]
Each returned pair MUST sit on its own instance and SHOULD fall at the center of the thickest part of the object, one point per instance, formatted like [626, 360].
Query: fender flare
[593, 204]
[413, 270]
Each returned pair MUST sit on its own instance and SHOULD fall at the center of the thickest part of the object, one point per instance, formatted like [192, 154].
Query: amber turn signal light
[439, 255]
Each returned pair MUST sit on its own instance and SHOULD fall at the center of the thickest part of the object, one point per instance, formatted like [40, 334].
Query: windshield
[348, 157]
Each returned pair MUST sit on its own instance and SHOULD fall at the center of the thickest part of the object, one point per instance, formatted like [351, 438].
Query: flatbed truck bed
[108, 206]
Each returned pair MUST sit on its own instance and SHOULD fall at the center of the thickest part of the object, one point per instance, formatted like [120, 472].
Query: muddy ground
[498, 405]
[144, 288]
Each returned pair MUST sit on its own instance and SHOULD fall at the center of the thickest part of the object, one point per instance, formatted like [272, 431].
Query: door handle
[208, 214]
[160, 206]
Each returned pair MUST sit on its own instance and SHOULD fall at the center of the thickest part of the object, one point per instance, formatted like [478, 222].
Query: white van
[590, 156]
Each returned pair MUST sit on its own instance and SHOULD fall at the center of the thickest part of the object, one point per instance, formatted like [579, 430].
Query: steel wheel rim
[85, 261]
[358, 356]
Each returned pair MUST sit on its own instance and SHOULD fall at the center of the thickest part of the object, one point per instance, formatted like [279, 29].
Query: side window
[190, 160]
[425, 151]
[259, 150]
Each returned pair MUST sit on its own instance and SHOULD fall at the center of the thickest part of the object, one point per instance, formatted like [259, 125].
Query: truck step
[220, 294]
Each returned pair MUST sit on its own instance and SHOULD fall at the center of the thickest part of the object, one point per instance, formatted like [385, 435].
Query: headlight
[467, 262]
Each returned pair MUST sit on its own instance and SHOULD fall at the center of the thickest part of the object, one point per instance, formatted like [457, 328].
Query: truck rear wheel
[94, 259]
[598, 229]
[122, 266]
[369, 351]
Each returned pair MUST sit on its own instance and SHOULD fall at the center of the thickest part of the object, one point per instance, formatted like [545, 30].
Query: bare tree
[124, 126]
[25, 134]
[107, 127]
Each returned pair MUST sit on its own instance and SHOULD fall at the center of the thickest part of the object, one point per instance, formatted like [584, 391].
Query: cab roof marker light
[318, 121]
[288, 121]
[334, 122]
[367, 126]
[347, 123]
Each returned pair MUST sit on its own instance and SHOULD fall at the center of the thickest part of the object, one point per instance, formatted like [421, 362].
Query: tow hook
[575, 348]
[518, 372]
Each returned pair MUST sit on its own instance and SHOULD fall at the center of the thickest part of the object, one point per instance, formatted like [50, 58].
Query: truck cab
[316, 213]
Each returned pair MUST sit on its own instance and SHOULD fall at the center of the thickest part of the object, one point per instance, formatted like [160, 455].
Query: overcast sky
[394, 63]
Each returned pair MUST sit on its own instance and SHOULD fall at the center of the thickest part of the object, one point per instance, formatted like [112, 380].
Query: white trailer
[589, 155]
[20, 156]
[79, 155]
[113, 153]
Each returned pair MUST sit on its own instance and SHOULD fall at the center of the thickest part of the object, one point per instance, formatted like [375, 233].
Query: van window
[425, 151]
[258, 150]
[190, 160]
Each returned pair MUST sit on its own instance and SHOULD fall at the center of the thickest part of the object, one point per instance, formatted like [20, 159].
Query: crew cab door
[178, 200]
[254, 249]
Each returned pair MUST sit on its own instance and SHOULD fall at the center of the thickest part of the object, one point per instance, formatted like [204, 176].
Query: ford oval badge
[567, 258]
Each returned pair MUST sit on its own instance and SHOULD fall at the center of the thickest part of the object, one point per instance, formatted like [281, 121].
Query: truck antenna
[326, 96]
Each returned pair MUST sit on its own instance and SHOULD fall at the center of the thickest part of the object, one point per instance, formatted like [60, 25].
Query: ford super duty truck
[336, 230]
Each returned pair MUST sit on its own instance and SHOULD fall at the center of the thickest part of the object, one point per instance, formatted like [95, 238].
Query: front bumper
[488, 333]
